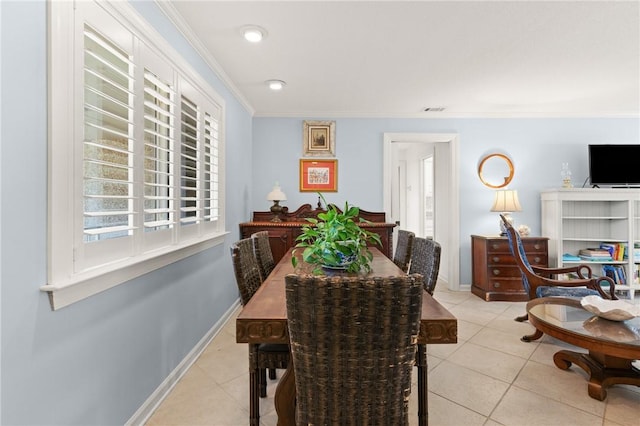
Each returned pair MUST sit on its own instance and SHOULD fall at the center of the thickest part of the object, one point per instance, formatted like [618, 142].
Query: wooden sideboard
[282, 235]
[495, 274]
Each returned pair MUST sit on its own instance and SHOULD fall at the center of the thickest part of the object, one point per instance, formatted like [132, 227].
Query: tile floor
[488, 378]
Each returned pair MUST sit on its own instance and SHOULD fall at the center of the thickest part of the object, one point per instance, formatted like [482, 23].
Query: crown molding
[440, 115]
[176, 19]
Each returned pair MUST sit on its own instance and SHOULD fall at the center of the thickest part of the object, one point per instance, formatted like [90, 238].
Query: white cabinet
[576, 219]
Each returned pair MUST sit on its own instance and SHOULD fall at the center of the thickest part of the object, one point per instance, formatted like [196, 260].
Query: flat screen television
[614, 165]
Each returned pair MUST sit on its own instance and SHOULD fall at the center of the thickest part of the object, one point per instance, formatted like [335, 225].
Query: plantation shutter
[212, 168]
[108, 139]
[135, 143]
[158, 153]
[190, 133]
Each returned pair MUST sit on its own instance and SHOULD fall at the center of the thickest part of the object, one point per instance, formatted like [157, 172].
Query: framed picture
[319, 138]
[318, 175]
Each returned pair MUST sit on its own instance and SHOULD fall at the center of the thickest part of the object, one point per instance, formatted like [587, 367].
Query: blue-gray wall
[94, 362]
[537, 146]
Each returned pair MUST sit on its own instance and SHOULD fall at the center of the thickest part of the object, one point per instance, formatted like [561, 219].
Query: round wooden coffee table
[612, 345]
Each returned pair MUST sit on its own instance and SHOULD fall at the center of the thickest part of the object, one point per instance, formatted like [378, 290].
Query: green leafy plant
[335, 240]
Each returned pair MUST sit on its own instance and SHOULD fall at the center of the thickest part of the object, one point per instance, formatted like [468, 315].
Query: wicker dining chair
[268, 356]
[402, 255]
[264, 256]
[353, 345]
[425, 260]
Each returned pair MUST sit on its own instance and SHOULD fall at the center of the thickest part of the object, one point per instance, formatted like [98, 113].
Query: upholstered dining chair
[544, 282]
[425, 260]
[402, 255]
[264, 256]
[353, 345]
[268, 356]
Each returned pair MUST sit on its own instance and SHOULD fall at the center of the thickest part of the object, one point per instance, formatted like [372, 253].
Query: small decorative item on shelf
[524, 230]
[566, 176]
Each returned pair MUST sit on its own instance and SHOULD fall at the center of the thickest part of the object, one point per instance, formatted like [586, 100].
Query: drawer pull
[496, 272]
[496, 285]
[537, 246]
[496, 259]
[537, 259]
[495, 246]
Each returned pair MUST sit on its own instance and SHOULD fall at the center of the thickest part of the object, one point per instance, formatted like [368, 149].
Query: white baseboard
[142, 415]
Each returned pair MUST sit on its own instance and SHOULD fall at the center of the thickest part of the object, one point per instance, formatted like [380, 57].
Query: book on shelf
[568, 257]
[616, 272]
[617, 251]
[595, 254]
[595, 258]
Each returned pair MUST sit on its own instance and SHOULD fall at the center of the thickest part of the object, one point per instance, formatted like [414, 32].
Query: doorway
[408, 200]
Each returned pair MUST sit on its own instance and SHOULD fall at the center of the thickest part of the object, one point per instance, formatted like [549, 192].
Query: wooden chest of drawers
[495, 274]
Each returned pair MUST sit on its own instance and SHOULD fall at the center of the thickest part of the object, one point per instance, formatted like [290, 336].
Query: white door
[427, 197]
[421, 192]
[414, 195]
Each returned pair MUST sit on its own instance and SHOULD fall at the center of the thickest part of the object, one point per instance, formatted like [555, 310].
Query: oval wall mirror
[495, 170]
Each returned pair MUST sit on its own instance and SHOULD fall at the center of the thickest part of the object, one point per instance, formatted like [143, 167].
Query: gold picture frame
[318, 175]
[319, 139]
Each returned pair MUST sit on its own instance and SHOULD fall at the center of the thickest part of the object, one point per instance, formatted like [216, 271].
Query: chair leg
[423, 400]
[263, 382]
[272, 373]
[522, 318]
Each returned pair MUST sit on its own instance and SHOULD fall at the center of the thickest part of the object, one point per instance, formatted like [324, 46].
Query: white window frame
[72, 274]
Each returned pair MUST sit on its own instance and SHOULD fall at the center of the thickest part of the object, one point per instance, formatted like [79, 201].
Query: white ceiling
[395, 58]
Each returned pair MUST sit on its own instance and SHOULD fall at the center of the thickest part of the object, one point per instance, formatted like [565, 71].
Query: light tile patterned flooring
[488, 378]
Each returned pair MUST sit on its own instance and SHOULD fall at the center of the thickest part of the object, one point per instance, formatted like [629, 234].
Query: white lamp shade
[276, 194]
[506, 201]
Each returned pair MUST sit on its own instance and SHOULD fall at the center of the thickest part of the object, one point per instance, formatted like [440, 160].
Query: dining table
[264, 320]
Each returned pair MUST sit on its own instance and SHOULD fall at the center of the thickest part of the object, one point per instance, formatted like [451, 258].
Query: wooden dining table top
[264, 318]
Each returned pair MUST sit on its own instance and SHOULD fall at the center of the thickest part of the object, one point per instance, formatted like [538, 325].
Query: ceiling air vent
[434, 109]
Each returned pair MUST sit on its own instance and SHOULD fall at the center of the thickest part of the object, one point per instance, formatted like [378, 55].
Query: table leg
[423, 389]
[254, 385]
[531, 337]
[604, 370]
[285, 397]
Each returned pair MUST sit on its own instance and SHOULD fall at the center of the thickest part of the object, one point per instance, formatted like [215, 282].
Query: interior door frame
[452, 142]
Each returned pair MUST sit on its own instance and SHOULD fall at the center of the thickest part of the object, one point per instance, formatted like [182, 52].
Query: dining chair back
[246, 269]
[267, 356]
[425, 260]
[402, 255]
[264, 256]
[353, 345]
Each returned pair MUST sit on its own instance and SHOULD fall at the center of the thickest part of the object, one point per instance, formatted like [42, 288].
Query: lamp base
[503, 227]
[276, 209]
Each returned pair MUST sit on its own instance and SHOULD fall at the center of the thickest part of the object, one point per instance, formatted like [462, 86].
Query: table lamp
[506, 202]
[276, 195]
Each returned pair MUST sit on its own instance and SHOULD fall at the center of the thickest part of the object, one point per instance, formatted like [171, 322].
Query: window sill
[88, 283]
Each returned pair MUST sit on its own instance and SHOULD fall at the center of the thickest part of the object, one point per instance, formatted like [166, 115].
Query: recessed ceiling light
[275, 84]
[253, 33]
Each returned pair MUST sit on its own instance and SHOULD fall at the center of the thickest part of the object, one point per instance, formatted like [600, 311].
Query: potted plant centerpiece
[335, 241]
